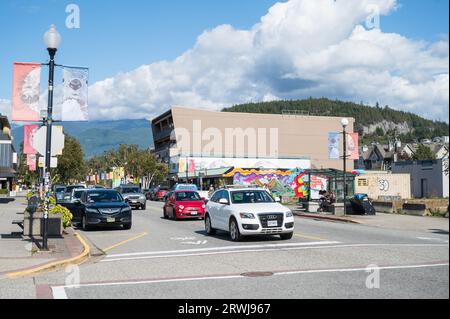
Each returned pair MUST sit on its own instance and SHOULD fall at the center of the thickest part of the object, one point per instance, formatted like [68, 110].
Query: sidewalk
[382, 220]
[18, 254]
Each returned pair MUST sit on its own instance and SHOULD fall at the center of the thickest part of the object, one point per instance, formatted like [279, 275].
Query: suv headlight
[91, 211]
[126, 210]
[247, 215]
[289, 214]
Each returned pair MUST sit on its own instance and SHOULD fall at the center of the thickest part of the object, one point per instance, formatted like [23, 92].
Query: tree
[423, 153]
[71, 166]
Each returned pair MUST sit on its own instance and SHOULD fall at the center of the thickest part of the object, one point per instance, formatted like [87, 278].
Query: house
[376, 157]
[428, 178]
[8, 155]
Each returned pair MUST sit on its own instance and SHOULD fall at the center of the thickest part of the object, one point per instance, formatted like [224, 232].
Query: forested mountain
[375, 123]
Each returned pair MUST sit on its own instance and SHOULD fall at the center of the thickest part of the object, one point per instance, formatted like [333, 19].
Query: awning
[6, 172]
[206, 173]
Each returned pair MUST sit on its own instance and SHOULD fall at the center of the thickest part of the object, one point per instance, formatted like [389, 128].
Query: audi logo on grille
[272, 217]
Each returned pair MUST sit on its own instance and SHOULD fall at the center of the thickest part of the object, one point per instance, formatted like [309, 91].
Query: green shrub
[4, 192]
[29, 195]
[66, 214]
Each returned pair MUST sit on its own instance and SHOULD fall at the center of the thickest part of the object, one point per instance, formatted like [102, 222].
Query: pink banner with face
[26, 91]
[31, 162]
[353, 146]
[28, 137]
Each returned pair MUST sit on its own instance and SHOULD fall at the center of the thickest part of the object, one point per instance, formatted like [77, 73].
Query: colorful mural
[293, 183]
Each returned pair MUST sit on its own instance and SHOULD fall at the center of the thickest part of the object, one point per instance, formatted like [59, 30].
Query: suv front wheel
[235, 234]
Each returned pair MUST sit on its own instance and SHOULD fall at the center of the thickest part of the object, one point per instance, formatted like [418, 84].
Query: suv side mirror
[223, 201]
[277, 199]
[77, 202]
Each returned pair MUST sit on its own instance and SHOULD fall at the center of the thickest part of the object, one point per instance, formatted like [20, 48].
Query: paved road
[161, 258]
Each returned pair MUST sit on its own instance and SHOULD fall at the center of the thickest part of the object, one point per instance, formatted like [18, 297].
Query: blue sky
[119, 36]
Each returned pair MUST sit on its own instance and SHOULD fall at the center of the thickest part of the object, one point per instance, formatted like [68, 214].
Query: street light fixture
[345, 122]
[52, 40]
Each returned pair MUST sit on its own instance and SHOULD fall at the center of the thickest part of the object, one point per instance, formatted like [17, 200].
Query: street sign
[53, 162]
[40, 140]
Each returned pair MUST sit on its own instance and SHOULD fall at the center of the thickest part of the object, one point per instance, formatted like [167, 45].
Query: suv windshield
[187, 196]
[130, 190]
[250, 197]
[104, 197]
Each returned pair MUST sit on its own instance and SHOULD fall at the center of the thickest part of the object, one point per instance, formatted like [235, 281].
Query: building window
[363, 182]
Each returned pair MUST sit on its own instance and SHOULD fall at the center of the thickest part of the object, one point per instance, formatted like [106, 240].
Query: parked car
[101, 207]
[133, 196]
[248, 211]
[184, 205]
[69, 189]
[76, 194]
[59, 191]
[160, 193]
[96, 187]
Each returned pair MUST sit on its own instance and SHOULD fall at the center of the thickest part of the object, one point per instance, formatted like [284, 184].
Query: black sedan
[101, 207]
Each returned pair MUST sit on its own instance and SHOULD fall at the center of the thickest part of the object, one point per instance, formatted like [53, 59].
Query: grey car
[133, 196]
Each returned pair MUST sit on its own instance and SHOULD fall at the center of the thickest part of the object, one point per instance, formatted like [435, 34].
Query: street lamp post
[52, 40]
[345, 123]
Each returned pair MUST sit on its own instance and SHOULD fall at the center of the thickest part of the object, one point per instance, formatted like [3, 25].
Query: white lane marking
[433, 239]
[221, 248]
[200, 242]
[265, 250]
[129, 283]
[315, 271]
[59, 292]
[182, 238]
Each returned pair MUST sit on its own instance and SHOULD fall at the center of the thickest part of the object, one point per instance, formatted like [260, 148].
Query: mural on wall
[293, 183]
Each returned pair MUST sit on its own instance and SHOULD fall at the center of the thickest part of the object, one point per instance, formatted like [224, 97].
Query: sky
[145, 56]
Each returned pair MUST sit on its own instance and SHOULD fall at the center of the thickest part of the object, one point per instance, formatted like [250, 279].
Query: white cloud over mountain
[300, 48]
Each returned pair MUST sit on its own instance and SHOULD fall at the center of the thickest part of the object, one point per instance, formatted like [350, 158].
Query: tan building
[187, 132]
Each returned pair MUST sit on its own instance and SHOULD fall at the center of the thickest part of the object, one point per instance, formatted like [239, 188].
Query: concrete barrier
[414, 209]
[383, 207]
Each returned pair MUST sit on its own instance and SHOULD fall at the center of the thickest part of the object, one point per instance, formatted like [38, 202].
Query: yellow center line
[125, 241]
[309, 237]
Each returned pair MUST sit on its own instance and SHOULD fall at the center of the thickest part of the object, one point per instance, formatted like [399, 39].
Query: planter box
[33, 224]
[414, 209]
[337, 209]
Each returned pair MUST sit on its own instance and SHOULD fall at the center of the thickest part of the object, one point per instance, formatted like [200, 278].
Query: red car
[161, 193]
[184, 205]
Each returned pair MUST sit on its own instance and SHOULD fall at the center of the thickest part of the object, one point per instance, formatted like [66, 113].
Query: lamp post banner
[26, 91]
[75, 94]
[28, 138]
[31, 162]
[353, 146]
[333, 145]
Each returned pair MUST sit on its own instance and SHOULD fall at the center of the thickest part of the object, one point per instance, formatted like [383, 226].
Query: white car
[247, 211]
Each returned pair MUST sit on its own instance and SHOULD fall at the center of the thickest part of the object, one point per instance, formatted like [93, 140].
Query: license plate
[134, 201]
[194, 213]
[272, 223]
[110, 220]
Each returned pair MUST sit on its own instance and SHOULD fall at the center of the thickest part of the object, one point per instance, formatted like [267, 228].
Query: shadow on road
[247, 239]
[439, 231]
[6, 200]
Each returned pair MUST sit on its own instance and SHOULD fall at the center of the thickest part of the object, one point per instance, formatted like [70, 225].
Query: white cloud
[5, 107]
[300, 48]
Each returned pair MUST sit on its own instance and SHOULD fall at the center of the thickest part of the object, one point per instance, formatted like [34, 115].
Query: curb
[323, 217]
[56, 264]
